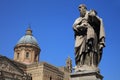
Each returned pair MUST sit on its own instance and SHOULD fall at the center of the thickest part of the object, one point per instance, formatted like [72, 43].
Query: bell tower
[69, 64]
[27, 49]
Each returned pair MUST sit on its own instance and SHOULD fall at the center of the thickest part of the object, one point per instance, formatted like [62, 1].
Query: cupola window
[18, 54]
[27, 55]
[50, 78]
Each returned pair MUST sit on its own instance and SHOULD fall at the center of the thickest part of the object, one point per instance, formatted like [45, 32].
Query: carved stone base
[86, 75]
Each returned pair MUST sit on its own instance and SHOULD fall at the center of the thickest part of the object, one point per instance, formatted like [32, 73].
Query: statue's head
[82, 6]
[82, 9]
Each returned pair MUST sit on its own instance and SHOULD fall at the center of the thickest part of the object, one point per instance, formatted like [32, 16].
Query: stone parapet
[86, 75]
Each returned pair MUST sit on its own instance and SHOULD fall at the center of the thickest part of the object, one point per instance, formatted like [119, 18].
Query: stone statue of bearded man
[89, 39]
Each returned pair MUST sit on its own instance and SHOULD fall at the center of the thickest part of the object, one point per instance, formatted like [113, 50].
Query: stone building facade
[11, 70]
[26, 65]
[44, 71]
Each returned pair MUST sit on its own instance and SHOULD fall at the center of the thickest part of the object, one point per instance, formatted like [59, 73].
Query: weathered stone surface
[9, 70]
[87, 75]
[89, 39]
[44, 71]
[89, 44]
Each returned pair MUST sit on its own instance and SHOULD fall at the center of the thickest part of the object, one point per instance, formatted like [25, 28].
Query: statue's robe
[81, 39]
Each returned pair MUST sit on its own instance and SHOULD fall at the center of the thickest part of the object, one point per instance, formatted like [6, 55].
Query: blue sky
[51, 22]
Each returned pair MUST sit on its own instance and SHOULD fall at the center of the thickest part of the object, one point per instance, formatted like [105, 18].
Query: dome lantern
[28, 31]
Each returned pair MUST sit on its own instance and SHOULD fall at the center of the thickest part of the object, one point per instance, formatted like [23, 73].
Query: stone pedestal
[86, 75]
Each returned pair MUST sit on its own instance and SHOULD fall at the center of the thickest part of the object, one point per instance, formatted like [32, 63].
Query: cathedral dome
[28, 38]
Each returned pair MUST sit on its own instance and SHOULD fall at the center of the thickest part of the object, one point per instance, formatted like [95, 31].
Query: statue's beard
[82, 13]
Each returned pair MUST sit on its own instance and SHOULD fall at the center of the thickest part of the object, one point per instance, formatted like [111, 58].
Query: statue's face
[82, 11]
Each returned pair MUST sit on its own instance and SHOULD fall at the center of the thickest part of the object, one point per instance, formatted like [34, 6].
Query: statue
[89, 39]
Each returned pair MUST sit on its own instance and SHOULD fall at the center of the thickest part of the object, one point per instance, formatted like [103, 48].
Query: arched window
[27, 55]
[35, 57]
[50, 78]
[18, 54]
